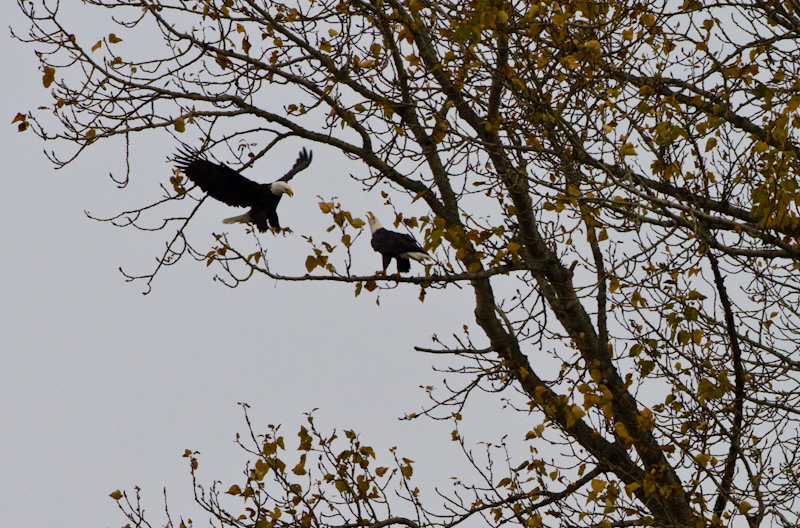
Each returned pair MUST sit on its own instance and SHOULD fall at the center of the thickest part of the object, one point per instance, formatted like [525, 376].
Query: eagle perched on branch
[229, 186]
[394, 245]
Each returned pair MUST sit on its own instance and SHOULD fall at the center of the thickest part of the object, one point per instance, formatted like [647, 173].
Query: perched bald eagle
[393, 245]
[229, 186]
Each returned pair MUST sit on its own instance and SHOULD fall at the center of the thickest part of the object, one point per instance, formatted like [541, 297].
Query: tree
[614, 183]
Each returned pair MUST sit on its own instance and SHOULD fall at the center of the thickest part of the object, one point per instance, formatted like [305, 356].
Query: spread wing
[219, 181]
[303, 161]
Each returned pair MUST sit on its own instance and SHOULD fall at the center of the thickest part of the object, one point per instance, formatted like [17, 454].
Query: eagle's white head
[374, 224]
[280, 187]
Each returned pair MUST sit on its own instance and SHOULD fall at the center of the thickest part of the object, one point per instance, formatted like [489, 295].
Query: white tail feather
[416, 255]
[242, 219]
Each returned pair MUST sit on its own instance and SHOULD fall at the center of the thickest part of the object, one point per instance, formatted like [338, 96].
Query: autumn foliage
[613, 183]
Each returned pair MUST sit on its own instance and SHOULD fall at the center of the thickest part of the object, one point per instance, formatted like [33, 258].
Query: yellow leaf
[695, 295]
[112, 38]
[633, 486]
[593, 45]
[759, 147]
[97, 46]
[299, 469]
[261, 468]
[648, 19]
[311, 263]
[49, 76]
[116, 495]
[180, 126]
[619, 427]
[223, 61]
[627, 150]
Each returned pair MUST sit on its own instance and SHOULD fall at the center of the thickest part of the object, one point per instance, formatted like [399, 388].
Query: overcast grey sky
[103, 388]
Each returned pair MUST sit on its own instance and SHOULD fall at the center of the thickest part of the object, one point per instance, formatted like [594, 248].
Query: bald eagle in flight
[229, 186]
[394, 245]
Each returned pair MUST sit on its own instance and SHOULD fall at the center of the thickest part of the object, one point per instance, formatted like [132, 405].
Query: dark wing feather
[303, 161]
[219, 181]
[409, 244]
[392, 243]
[382, 243]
